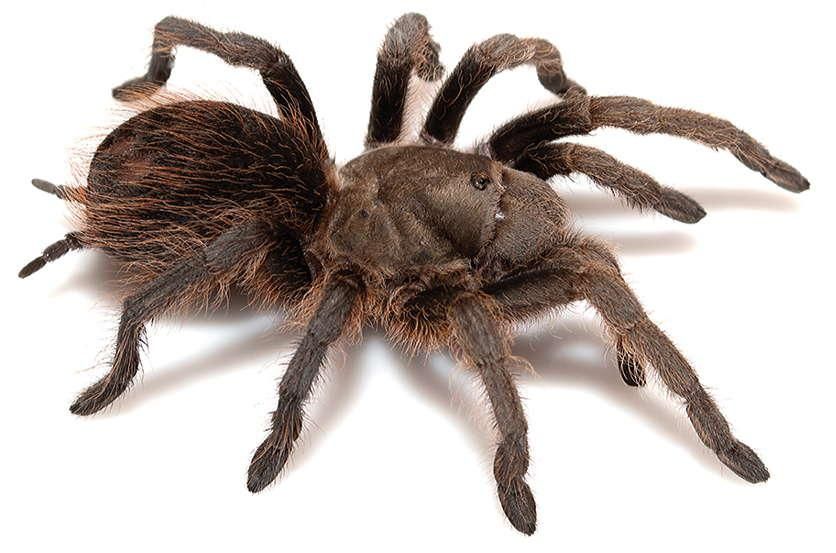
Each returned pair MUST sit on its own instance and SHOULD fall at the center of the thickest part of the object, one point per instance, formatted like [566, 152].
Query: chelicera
[439, 248]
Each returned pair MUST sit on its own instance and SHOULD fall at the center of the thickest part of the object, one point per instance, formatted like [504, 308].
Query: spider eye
[364, 214]
[480, 181]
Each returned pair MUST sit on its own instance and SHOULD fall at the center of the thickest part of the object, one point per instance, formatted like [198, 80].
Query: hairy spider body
[173, 178]
[439, 248]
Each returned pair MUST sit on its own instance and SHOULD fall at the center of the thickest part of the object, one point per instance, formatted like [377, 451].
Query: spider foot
[677, 205]
[96, 397]
[519, 506]
[267, 462]
[744, 462]
[786, 177]
[136, 89]
[410, 27]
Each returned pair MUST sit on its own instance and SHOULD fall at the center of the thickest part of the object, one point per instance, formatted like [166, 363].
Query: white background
[399, 452]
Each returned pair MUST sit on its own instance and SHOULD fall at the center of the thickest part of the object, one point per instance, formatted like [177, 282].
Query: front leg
[544, 288]
[600, 282]
[480, 340]
[326, 326]
[636, 188]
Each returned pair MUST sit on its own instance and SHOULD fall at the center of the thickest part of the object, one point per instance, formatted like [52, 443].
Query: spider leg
[542, 289]
[326, 326]
[408, 46]
[154, 298]
[584, 269]
[599, 281]
[637, 188]
[486, 348]
[481, 62]
[642, 117]
[277, 70]
[510, 141]
[580, 114]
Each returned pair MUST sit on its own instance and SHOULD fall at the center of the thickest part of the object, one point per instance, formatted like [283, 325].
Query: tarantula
[439, 248]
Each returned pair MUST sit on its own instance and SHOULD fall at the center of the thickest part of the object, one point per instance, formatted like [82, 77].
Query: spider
[437, 247]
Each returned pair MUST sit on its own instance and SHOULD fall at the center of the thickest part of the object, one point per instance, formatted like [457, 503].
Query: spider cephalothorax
[437, 247]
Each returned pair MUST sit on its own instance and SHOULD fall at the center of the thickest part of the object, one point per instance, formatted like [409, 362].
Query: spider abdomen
[169, 180]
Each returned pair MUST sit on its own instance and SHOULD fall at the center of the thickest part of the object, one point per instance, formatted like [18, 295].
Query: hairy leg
[481, 62]
[153, 299]
[479, 338]
[509, 142]
[580, 114]
[636, 188]
[408, 46]
[643, 117]
[326, 326]
[600, 282]
[277, 70]
[533, 293]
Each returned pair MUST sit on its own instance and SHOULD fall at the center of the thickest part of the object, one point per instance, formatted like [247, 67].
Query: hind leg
[277, 71]
[338, 304]
[601, 284]
[407, 48]
[222, 254]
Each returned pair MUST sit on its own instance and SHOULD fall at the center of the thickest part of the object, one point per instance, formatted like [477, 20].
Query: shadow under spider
[595, 203]
[553, 351]
[550, 352]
